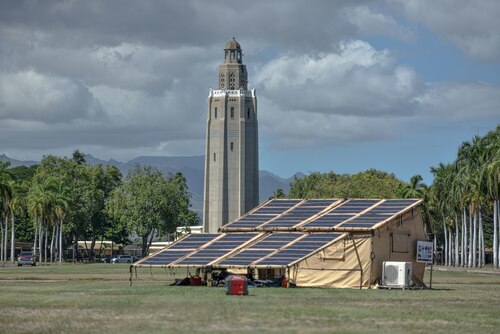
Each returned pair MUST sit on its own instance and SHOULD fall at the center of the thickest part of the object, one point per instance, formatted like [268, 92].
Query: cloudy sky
[342, 85]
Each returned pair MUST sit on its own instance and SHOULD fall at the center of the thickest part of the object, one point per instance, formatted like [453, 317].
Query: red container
[236, 285]
[195, 281]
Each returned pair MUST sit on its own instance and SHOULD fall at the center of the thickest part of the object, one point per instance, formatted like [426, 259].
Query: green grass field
[97, 298]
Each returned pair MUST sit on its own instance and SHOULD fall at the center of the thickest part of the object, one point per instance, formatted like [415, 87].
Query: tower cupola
[232, 52]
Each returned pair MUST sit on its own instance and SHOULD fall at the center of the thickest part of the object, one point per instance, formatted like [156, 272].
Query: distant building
[231, 156]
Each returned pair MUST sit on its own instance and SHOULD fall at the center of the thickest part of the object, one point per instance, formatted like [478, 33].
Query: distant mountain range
[191, 167]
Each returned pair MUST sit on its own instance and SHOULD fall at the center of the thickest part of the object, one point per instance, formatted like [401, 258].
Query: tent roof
[327, 215]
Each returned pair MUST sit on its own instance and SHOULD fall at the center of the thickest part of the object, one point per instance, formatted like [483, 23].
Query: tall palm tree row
[466, 196]
[47, 204]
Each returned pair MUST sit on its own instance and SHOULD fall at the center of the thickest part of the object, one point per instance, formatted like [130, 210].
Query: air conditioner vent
[396, 274]
[391, 274]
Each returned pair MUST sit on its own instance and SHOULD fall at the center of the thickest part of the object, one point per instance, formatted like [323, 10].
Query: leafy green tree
[368, 184]
[84, 190]
[149, 204]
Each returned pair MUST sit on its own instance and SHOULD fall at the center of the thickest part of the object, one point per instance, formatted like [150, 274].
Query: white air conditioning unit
[396, 274]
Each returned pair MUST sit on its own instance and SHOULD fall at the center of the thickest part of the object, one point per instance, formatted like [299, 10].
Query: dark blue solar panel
[298, 214]
[245, 258]
[261, 248]
[319, 202]
[299, 249]
[358, 225]
[266, 212]
[283, 202]
[230, 241]
[216, 249]
[378, 214]
[405, 202]
[194, 241]
[254, 218]
[165, 257]
[275, 240]
[363, 201]
[340, 213]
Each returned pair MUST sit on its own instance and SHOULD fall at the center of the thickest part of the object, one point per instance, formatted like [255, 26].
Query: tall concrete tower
[232, 155]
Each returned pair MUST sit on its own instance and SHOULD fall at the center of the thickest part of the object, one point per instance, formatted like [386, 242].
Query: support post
[432, 262]
[209, 279]
[359, 261]
[130, 279]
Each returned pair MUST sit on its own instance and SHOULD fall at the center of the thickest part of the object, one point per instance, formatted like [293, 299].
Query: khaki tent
[312, 243]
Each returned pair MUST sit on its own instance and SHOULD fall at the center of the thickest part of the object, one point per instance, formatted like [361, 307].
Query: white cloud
[29, 95]
[75, 74]
[359, 94]
[372, 23]
[461, 101]
[473, 26]
[358, 80]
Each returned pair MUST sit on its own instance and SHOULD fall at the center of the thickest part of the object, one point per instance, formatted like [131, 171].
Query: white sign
[424, 251]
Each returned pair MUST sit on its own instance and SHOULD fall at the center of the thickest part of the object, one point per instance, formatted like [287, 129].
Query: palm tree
[41, 200]
[278, 193]
[443, 177]
[15, 204]
[5, 196]
[490, 178]
[61, 200]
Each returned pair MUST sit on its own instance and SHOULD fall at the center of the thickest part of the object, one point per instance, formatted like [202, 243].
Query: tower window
[215, 159]
[222, 81]
[248, 113]
[215, 112]
[232, 81]
[232, 146]
[232, 112]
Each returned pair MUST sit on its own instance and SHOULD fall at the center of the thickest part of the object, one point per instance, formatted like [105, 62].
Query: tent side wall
[397, 241]
[345, 264]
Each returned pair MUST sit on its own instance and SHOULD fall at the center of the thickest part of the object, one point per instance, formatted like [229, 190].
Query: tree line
[461, 207]
[64, 200]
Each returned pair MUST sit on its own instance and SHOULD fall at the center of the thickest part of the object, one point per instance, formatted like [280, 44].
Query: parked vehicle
[26, 258]
[122, 259]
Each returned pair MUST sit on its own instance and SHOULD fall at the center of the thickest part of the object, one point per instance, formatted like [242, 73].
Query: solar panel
[309, 244]
[262, 214]
[298, 214]
[220, 247]
[163, 258]
[193, 241]
[378, 214]
[178, 250]
[260, 249]
[340, 214]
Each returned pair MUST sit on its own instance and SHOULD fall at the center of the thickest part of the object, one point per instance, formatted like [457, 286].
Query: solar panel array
[279, 214]
[320, 215]
[326, 218]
